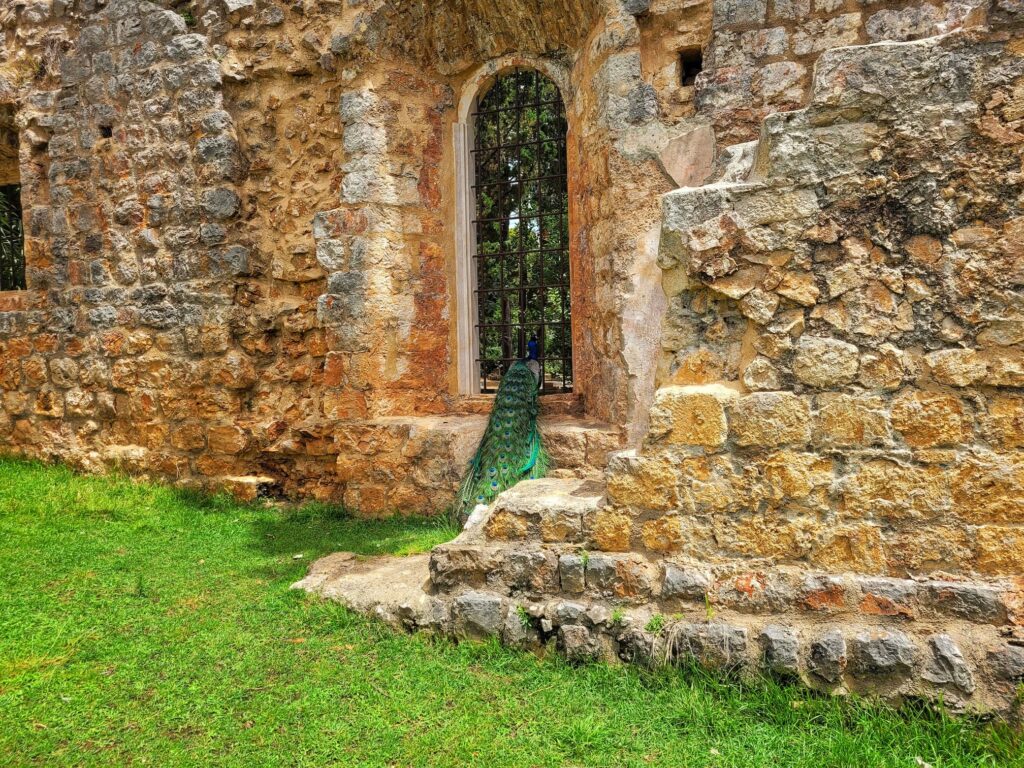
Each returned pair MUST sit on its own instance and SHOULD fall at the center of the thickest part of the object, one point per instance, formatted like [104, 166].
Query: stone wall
[866, 273]
[240, 240]
[830, 486]
[762, 54]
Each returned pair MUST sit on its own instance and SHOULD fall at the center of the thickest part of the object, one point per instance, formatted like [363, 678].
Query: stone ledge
[530, 568]
[968, 666]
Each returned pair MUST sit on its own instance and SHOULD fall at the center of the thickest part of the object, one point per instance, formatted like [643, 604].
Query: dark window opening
[12, 239]
[691, 62]
[106, 131]
[522, 230]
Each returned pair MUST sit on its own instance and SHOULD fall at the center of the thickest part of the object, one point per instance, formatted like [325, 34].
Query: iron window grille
[12, 239]
[522, 230]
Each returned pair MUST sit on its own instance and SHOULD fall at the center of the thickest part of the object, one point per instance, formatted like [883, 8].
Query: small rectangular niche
[691, 63]
[106, 131]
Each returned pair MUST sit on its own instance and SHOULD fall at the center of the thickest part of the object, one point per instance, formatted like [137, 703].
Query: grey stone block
[727, 12]
[479, 613]
[974, 602]
[882, 653]
[578, 643]
[827, 658]
[636, 7]
[715, 646]
[519, 633]
[1007, 663]
[781, 649]
[571, 574]
[565, 611]
[221, 203]
[947, 665]
[687, 583]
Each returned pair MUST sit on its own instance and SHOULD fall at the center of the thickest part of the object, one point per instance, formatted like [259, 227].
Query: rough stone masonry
[797, 242]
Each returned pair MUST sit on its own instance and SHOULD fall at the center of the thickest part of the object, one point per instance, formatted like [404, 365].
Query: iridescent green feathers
[511, 448]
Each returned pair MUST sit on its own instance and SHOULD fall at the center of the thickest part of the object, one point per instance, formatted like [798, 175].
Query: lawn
[140, 625]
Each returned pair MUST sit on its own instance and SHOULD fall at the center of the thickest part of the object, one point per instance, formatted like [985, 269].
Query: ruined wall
[761, 58]
[240, 241]
[869, 269]
[830, 488]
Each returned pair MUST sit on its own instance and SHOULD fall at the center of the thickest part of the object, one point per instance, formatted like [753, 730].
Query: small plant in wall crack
[584, 558]
[618, 618]
[525, 620]
[709, 609]
[656, 624]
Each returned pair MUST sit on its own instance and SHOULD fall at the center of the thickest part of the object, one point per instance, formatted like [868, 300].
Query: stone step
[964, 663]
[552, 510]
[532, 569]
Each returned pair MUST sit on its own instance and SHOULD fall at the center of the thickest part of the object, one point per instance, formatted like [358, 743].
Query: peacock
[511, 448]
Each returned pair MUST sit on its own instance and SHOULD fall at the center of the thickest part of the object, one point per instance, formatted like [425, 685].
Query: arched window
[521, 230]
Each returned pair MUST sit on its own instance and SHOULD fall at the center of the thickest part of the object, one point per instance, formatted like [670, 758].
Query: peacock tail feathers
[511, 448]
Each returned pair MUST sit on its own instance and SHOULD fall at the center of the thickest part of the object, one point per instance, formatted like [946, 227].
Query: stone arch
[477, 85]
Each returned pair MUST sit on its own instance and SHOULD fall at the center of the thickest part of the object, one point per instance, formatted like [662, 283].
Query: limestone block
[824, 362]
[903, 24]
[884, 368]
[822, 34]
[796, 476]
[857, 548]
[757, 207]
[227, 438]
[1005, 367]
[1000, 550]
[781, 82]
[1004, 421]
[930, 419]
[851, 421]
[927, 549]
[663, 535]
[988, 488]
[691, 415]
[888, 489]
[642, 481]
[761, 375]
[770, 419]
[956, 367]
[610, 530]
[727, 12]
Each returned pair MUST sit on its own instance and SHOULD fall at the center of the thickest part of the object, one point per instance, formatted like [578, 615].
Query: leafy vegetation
[140, 625]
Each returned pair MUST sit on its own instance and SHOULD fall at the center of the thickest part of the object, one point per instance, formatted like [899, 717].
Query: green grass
[144, 626]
